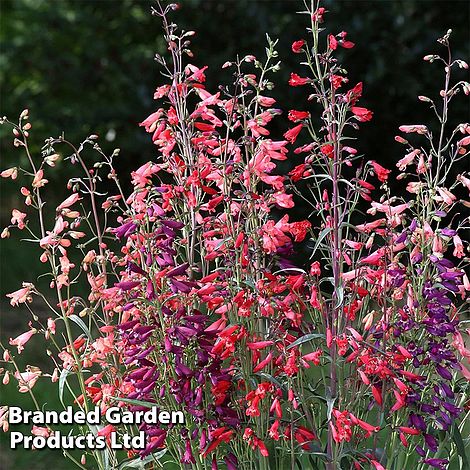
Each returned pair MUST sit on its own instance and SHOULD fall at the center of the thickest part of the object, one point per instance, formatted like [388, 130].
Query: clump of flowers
[356, 358]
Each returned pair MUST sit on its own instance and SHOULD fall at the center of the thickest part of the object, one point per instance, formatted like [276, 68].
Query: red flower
[343, 42]
[362, 114]
[313, 356]
[332, 42]
[299, 229]
[292, 134]
[347, 44]
[354, 94]
[380, 171]
[298, 172]
[274, 430]
[297, 46]
[296, 116]
[296, 80]
[342, 431]
[337, 81]
[327, 150]
[317, 15]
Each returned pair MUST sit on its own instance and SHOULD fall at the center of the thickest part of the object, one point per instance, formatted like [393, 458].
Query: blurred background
[86, 67]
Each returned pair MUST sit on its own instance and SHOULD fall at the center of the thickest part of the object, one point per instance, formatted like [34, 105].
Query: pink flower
[354, 93]
[21, 295]
[106, 430]
[39, 431]
[407, 159]
[265, 101]
[273, 235]
[10, 173]
[22, 339]
[464, 181]
[368, 227]
[464, 142]
[39, 181]
[195, 74]
[150, 123]
[27, 380]
[458, 247]
[464, 371]
[343, 42]
[18, 217]
[414, 187]
[283, 200]
[389, 210]
[366, 426]
[377, 465]
[459, 344]
[141, 175]
[51, 325]
[337, 81]
[69, 201]
[446, 196]
[418, 128]
[299, 229]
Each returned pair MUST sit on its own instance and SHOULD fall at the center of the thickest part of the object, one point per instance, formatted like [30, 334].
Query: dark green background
[87, 67]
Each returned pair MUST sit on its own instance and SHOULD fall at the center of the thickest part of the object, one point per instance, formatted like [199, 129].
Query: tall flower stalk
[351, 359]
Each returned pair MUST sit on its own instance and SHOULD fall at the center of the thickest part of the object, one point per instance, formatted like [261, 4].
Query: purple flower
[417, 421]
[188, 453]
[157, 210]
[173, 224]
[181, 286]
[420, 451]
[452, 409]
[127, 285]
[231, 461]
[440, 214]
[441, 464]
[443, 372]
[448, 232]
[431, 442]
[402, 237]
[125, 230]
[451, 275]
[135, 269]
[181, 269]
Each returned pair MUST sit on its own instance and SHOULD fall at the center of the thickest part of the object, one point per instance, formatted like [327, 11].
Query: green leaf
[330, 402]
[140, 463]
[76, 319]
[340, 293]
[460, 446]
[320, 238]
[305, 338]
[147, 404]
[271, 379]
[62, 382]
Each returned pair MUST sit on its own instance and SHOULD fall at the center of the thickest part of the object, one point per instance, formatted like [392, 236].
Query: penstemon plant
[353, 359]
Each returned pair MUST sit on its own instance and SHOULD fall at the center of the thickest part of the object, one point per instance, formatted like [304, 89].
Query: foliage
[355, 357]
